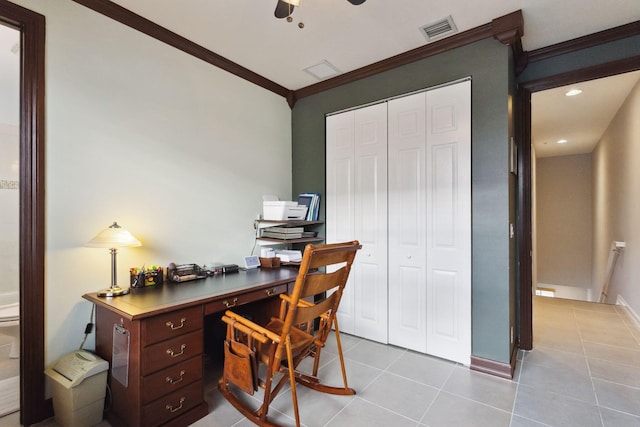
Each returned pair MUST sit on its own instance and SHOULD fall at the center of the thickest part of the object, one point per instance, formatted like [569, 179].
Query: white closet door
[340, 205]
[407, 212]
[370, 265]
[448, 155]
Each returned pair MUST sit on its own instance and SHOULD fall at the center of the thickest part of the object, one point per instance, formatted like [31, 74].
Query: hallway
[584, 369]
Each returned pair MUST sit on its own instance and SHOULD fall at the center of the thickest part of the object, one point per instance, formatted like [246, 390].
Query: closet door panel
[340, 204]
[370, 265]
[407, 241]
[449, 222]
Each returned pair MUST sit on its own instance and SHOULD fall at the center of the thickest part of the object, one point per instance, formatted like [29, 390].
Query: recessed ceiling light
[573, 92]
[562, 141]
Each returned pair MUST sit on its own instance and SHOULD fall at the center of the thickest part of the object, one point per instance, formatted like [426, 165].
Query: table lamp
[113, 237]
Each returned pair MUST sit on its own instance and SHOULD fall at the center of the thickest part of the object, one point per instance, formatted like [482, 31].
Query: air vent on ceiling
[441, 28]
[323, 70]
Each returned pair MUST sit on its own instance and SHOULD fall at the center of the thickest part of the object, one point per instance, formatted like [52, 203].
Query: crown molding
[591, 40]
[507, 29]
[399, 60]
[150, 28]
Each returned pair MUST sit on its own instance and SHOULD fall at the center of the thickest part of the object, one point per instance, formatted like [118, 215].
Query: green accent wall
[489, 64]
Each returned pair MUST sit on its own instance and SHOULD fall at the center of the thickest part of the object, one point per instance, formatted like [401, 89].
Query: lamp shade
[113, 237]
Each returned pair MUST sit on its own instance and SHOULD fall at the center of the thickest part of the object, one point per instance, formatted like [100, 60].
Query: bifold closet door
[430, 222]
[407, 222]
[448, 183]
[357, 209]
[404, 166]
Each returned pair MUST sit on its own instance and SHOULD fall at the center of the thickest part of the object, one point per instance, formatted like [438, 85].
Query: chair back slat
[318, 257]
[306, 314]
[331, 256]
[317, 283]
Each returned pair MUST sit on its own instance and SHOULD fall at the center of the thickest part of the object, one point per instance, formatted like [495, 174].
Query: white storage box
[278, 210]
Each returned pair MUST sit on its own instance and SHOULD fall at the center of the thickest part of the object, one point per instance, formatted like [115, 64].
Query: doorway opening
[571, 178]
[525, 178]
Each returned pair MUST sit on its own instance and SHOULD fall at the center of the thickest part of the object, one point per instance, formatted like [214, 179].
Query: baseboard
[498, 369]
[632, 314]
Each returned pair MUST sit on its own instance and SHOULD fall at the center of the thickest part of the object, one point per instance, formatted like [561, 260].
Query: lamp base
[114, 291]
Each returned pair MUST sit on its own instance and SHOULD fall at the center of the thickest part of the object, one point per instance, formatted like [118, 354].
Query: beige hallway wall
[616, 182]
[564, 221]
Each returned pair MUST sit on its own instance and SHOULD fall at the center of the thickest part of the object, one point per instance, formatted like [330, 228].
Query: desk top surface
[152, 300]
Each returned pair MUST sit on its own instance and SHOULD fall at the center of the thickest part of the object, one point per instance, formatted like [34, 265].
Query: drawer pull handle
[177, 408]
[271, 292]
[230, 304]
[172, 326]
[172, 381]
[172, 354]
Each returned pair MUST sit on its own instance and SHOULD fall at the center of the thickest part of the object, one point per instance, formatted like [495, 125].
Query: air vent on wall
[441, 28]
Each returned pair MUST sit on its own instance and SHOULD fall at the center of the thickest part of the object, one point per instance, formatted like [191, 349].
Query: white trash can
[78, 388]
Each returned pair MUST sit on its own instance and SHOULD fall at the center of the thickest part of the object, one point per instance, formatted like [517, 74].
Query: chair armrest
[248, 327]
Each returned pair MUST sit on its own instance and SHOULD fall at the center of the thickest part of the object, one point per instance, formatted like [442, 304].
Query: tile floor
[584, 371]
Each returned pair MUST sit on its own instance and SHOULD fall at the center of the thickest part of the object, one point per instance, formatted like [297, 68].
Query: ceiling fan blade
[283, 9]
[356, 2]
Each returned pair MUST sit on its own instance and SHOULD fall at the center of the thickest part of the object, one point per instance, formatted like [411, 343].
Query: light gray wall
[488, 62]
[616, 203]
[564, 221]
[142, 133]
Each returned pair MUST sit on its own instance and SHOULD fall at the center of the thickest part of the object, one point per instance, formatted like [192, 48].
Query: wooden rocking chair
[287, 340]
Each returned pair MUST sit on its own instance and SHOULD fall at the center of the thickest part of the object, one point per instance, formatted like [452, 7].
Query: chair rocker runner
[290, 338]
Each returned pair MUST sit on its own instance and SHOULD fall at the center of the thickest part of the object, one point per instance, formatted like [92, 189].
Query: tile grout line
[515, 397]
[421, 421]
[584, 351]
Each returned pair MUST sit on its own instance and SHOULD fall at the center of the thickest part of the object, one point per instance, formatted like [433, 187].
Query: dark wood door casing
[31, 25]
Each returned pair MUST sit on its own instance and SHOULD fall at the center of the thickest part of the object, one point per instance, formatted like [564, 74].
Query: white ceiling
[351, 37]
[580, 119]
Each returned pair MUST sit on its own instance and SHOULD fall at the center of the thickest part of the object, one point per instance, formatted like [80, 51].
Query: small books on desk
[312, 202]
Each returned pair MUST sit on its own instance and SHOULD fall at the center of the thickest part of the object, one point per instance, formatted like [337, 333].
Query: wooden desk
[165, 375]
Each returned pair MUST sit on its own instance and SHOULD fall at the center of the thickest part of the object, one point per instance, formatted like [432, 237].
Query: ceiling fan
[284, 8]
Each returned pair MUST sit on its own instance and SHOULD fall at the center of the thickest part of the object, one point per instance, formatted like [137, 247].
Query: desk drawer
[173, 324]
[172, 405]
[227, 303]
[171, 379]
[167, 353]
